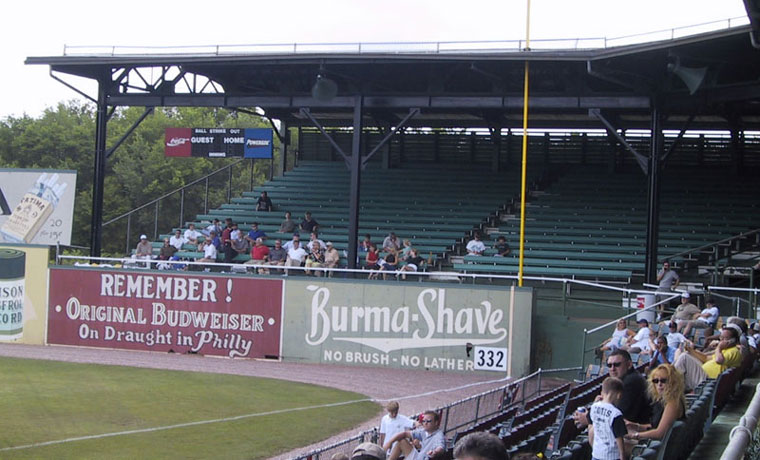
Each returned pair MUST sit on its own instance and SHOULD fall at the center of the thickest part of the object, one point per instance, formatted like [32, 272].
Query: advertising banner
[418, 326]
[36, 206]
[23, 293]
[184, 313]
[218, 142]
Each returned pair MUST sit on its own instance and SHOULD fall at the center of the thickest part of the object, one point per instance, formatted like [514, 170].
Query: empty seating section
[592, 224]
[434, 207]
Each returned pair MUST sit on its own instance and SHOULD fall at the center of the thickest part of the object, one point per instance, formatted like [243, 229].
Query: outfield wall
[412, 325]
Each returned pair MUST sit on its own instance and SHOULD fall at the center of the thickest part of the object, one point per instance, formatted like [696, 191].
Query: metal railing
[587, 332]
[459, 415]
[441, 47]
[742, 434]
[181, 191]
[737, 301]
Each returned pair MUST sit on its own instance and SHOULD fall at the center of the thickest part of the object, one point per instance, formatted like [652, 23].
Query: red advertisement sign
[178, 142]
[184, 313]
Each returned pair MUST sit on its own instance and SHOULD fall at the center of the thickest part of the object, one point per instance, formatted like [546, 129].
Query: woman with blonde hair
[666, 390]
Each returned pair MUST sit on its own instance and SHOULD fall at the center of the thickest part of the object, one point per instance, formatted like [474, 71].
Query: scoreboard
[218, 142]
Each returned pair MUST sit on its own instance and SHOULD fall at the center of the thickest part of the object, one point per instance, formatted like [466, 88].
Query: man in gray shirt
[423, 443]
[668, 280]
[277, 255]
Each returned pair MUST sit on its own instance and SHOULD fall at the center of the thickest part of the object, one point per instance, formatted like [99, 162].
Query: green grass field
[46, 401]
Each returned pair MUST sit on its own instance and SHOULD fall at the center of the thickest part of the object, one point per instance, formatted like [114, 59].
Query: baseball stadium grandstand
[636, 155]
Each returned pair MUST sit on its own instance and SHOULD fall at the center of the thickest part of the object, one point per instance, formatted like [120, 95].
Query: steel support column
[99, 171]
[355, 162]
[653, 197]
[284, 140]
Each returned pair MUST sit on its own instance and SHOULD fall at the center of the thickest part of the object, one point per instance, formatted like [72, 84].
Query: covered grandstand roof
[474, 88]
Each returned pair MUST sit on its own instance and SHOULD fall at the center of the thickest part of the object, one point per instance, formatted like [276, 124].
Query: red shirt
[372, 257]
[226, 235]
[259, 252]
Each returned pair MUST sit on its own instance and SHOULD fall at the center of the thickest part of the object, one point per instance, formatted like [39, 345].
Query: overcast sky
[42, 28]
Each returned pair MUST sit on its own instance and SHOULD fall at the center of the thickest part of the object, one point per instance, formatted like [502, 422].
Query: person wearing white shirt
[191, 234]
[315, 240]
[296, 255]
[209, 252]
[639, 342]
[706, 319]
[393, 423]
[476, 247]
[675, 338]
[177, 240]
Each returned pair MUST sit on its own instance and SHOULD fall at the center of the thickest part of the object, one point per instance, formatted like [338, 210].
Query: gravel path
[377, 383]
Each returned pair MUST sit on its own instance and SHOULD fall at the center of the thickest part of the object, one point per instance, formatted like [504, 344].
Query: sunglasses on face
[656, 381]
[616, 364]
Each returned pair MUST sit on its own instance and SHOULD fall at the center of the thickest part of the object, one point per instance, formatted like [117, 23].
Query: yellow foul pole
[524, 152]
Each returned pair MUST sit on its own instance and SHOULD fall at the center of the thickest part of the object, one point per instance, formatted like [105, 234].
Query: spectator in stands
[662, 353]
[415, 263]
[666, 390]
[296, 255]
[255, 234]
[215, 240]
[259, 255]
[192, 235]
[480, 445]
[755, 332]
[289, 244]
[167, 250]
[315, 241]
[393, 423]
[674, 338]
[368, 451]
[685, 312]
[288, 225]
[277, 255]
[340, 456]
[476, 247]
[667, 280]
[726, 355]
[229, 253]
[235, 233]
[501, 246]
[620, 336]
[634, 404]
[607, 429]
[332, 257]
[406, 248]
[209, 252]
[373, 257]
[315, 259]
[423, 443]
[365, 244]
[214, 226]
[640, 341]
[391, 243]
[707, 319]
[308, 224]
[144, 249]
[177, 240]
[239, 243]
[264, 203]
[388, 264]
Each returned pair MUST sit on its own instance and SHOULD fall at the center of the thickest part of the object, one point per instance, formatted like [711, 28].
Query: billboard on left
[37, 206]
[183, 313]
[23, 293]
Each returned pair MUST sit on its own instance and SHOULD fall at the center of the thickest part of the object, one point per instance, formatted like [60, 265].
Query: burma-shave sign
[410, 325]
[218, 142]
[146, 310]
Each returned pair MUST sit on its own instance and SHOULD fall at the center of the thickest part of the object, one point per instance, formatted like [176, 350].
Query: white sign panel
[36, 206]
[490, 359]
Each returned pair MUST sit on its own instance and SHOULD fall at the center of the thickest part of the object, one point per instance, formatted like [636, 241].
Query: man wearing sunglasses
[634, 403]
[423, 443]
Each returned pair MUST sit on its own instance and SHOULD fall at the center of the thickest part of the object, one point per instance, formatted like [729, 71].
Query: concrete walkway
[712, 445]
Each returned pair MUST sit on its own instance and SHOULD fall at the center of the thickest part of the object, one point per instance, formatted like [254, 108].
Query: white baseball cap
[143, 237]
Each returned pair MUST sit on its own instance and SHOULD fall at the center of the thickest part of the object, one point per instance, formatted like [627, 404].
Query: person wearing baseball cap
[144, 249]
[368, 451]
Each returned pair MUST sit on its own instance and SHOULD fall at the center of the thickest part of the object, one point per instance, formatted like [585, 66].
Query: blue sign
[258, 143]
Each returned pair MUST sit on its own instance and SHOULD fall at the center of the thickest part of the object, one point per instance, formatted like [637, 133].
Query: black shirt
[634, 404]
